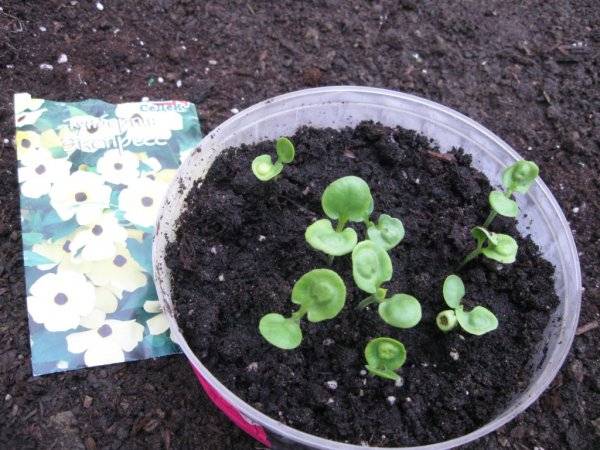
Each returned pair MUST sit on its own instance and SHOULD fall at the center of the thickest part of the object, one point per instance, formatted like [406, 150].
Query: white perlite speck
[261, 238]
[576, 210]
[6, 141]
[399, 382]
[391, 400]
[408, 399]
[178, 83]
[363, 372]
[62, 58]
[332, 384]
[8, 397]
[212, 62]
[46, 66]
[454, 355]
[327, 341]
[43, 29]
[99, 6]
[145, 99]
[213, 250]
[234, 110]
[252, 367]
[330, 401]
[221, 277]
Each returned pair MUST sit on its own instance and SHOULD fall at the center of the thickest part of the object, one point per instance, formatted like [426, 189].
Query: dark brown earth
[240, 247]
[526, 70]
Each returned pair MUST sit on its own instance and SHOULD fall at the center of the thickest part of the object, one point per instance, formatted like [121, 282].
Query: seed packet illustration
[92, 176]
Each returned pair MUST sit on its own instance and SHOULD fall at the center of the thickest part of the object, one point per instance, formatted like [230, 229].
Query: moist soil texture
[528, 71]
[240, 247]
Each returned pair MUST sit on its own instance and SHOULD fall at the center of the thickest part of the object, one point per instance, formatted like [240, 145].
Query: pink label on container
[254, 430]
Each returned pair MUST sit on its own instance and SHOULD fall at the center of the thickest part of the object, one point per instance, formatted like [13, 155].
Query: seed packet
[92, 176]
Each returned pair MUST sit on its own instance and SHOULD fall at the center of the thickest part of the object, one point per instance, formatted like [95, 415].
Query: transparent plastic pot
[343, 106]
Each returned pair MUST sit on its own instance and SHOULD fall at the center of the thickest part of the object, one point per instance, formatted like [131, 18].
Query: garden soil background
[528, 72]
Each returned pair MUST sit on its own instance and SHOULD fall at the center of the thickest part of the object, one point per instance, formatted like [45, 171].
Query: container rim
[255, 416]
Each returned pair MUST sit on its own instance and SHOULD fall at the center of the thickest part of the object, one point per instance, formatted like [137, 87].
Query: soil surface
[526, 70]
[240, 248]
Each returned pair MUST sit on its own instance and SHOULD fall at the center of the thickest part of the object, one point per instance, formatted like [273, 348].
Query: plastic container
[343, 106]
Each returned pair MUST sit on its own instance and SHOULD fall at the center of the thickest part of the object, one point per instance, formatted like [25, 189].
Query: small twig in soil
[587, 327]
[298, 205]
[443, 156]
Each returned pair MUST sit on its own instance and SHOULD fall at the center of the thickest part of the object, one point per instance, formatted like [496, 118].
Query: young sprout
[478, 321]
[345, 199]
[371, 267]
[400, 311]
[500, 247]
[515, 178]
[388, 232]
[384, 356]
[321, 294]
[263, 167]
[321, 236]
[520, 176]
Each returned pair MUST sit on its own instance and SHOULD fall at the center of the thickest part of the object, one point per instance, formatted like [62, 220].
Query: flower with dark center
[105, 330]
[60, 298]
[119, 261]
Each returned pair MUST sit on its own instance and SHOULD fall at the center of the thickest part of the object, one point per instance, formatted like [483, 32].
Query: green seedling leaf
[388, 232]
[446, 320]
[520, 176]
[503, 249]
[481, 234]
[371, 266]
[453, 290]
[321, 236]
[279, 331]
[401, 311]
[503, 205]
[347, 198]
[384, 355]
[321, 292]
[285, 150]
[264, 169]
[478, 321]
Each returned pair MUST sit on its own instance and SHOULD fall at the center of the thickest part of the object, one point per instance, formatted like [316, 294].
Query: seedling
[515, 178]
[321, 236]
[264, 168]
[321, 294]
[500, 247]
[371, 267]
[384, 356]
[478, 321]
[388, 232]
[346, 199]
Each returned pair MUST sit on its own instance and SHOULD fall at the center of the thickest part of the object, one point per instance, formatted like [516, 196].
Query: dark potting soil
[241, 247]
